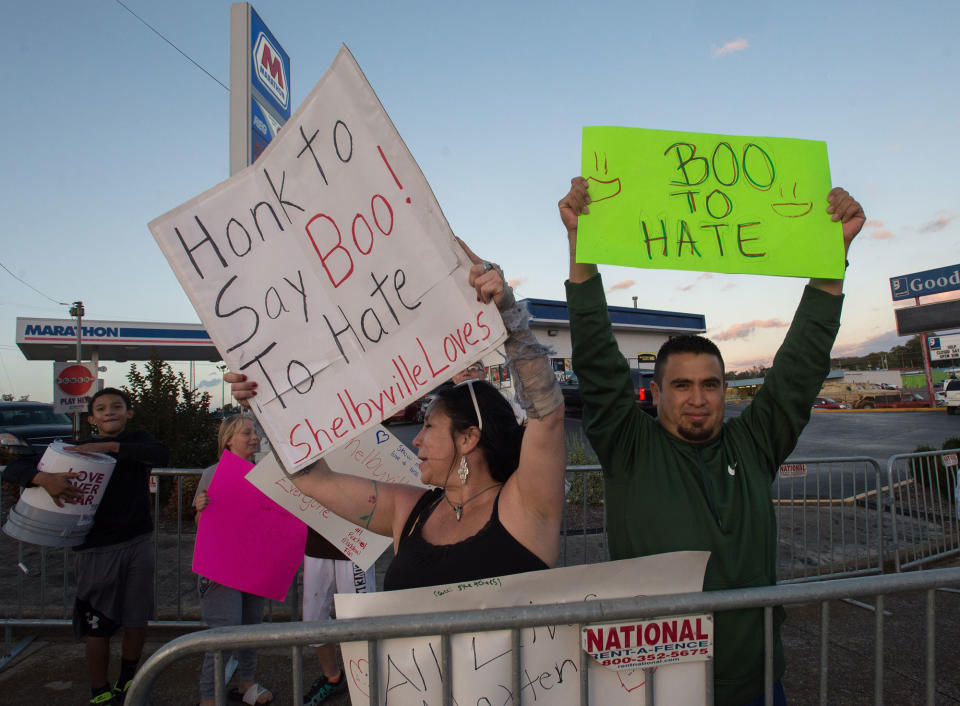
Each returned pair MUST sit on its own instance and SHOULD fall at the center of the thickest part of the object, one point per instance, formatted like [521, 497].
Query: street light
[222, 368]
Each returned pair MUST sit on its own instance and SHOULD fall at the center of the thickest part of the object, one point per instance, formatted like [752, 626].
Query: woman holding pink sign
[498, 498]
[221, 605]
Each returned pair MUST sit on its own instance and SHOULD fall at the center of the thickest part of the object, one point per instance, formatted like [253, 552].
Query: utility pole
[77, 311]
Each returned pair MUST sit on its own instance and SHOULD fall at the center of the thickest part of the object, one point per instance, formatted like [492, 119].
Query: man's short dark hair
[109, 391]
[687, 343]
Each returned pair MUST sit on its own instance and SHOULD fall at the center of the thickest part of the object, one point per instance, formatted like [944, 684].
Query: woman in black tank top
[498, 497]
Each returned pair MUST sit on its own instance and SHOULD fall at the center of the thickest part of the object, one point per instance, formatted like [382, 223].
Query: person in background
[474, 371]
[220, 605]
[326, 570]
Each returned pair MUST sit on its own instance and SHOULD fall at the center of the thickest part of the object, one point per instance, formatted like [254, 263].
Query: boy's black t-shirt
[124, 510]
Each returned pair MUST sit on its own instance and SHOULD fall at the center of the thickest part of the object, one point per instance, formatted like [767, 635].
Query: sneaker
[104, 698]
[120, 692]
[322, 689]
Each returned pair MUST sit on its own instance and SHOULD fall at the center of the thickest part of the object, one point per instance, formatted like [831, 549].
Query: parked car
[939, 394]
[829, 403]
[952, 396]
[900, 400]
[29, 427]
[641, 385]
[413, 412]
[570, 388]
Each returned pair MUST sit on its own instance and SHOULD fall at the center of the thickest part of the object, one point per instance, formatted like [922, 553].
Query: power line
[32, 287]
[182, 53]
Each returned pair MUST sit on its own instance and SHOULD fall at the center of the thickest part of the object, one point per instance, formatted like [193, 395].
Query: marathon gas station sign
[56, 339]
[260, 96]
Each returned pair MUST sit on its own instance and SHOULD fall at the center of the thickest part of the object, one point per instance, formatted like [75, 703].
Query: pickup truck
[951, 391]
[899, 400]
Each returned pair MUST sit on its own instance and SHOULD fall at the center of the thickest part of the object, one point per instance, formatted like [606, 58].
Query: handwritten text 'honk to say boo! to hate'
[341, 237]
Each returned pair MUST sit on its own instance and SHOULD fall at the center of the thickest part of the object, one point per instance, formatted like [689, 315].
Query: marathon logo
[71, 331]
[268, 62]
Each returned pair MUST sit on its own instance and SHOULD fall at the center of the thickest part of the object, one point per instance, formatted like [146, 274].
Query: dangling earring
[463, 470]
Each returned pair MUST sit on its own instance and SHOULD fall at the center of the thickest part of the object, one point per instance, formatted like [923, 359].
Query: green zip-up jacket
[665, 494]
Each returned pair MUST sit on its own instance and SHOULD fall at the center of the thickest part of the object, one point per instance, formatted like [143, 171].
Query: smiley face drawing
[602, 189]
[792, 209]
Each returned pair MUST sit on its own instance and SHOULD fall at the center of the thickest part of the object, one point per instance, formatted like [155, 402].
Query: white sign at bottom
[409, 671]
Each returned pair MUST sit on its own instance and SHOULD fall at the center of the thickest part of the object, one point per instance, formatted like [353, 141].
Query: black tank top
[492, 551]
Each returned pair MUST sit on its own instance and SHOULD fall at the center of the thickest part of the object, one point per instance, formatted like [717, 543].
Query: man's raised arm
[571, 206]
[844, 208]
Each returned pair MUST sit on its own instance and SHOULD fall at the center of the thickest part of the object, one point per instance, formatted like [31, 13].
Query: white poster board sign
[376, 454]
[409, 672]
[327, 273]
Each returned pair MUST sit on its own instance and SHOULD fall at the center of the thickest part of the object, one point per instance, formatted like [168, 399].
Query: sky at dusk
[108, 126]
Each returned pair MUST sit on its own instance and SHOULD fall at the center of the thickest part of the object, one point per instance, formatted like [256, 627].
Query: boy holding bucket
[115, 562]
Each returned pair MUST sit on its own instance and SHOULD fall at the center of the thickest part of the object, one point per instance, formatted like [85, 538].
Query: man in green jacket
[689, 481]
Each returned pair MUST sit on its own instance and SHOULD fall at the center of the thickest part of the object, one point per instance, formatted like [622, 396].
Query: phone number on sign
[656, 657]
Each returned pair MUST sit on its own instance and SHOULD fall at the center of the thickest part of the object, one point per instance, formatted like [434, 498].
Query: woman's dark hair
[501, 436]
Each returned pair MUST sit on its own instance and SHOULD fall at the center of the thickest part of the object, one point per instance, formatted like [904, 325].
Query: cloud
[872, 223]
[733, 366]
[213, 382]
[516, 282]
[881, 342]
[625, 284]
[881, 235]
[731, 47]
[745, 329]
[937, 224]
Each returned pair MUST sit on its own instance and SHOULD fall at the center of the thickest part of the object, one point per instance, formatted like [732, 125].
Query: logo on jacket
[732, 470]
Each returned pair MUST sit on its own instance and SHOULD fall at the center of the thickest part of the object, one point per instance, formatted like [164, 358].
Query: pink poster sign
[245, 540]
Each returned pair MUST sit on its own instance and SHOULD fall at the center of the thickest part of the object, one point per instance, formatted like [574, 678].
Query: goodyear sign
[920, 284]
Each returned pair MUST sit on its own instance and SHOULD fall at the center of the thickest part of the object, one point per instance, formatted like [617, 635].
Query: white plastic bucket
[37, 519]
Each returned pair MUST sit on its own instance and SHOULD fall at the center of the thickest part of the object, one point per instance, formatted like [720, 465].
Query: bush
[579, 455]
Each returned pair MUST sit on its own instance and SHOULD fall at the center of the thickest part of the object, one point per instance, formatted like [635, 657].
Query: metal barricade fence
[923, 507]
[583, 530]
[830, 518]
[36, 583]
[295, 635]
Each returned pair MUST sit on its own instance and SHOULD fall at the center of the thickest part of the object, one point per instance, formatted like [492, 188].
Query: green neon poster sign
[714, 203]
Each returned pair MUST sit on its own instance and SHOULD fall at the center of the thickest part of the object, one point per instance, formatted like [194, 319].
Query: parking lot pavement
[53, 672]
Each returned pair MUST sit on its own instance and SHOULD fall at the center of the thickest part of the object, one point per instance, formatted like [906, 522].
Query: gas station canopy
[120, 341]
